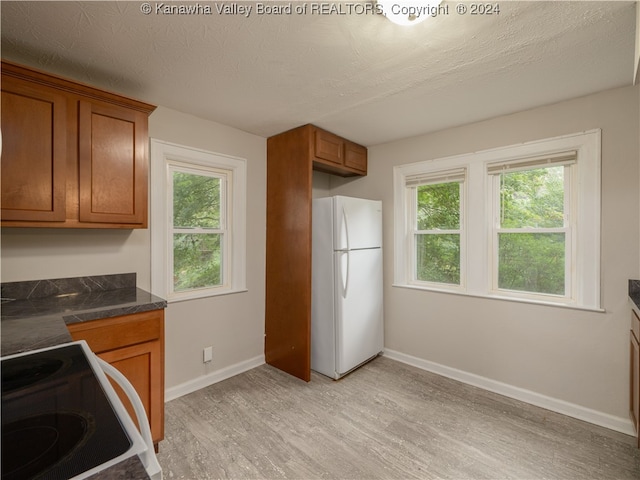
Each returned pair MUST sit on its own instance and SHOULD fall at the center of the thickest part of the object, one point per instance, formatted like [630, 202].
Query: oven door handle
[147, 457]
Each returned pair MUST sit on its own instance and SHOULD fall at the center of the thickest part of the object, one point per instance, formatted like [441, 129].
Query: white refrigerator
[346, 300]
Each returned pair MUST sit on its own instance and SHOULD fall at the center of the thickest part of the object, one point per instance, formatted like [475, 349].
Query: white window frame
[166, 158]
[478, 229]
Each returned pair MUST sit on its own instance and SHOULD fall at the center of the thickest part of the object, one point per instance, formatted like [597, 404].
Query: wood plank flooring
[386, 420]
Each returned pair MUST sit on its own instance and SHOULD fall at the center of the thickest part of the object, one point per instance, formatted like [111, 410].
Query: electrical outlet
[207, 354]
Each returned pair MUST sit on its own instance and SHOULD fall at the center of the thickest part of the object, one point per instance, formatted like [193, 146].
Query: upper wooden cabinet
[112, 164]
[34, 150]
[336, 155]
[73, 156]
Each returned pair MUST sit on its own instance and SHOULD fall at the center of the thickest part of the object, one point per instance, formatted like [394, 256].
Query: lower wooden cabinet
[134, 344]
[634, 380]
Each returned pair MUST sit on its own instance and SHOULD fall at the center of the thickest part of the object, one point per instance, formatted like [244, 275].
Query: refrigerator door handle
[344, 273]
[345, 224]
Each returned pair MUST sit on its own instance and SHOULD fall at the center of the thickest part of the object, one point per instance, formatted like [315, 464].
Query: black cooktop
[57, 421]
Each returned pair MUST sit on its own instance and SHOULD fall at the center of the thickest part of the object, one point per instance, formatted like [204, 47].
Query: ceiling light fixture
[409, 12]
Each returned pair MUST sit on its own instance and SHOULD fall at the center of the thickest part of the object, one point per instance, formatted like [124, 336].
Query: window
[533, 226]
[198, 222]
[519, 222]
[198, 228]
[437, 201]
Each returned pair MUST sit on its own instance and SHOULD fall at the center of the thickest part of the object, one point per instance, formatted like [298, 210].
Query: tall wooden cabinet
[73, 156]
[291, 158]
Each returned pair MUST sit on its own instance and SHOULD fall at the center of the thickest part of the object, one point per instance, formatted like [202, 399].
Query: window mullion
[533, 230]
[437, 232]
[196, 230]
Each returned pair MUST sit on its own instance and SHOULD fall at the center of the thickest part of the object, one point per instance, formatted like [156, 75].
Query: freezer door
[358, 302]
[358, 223]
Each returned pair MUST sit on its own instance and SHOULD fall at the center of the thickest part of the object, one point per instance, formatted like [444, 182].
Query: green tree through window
[197, 230]
[531, 236]
[438, 233]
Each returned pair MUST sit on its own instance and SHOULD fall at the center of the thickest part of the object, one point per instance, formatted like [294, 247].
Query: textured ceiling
[357, 75]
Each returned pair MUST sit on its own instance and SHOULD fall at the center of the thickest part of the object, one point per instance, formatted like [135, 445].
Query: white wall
[41, 253]
[321, 184]
[574, 356]
[232, 324]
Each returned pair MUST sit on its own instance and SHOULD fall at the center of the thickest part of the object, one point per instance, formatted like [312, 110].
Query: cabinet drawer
[635, 325]
[111, 333]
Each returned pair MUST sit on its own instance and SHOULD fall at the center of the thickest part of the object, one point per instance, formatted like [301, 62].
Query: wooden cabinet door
[112, 164]
[141, 365]
[355, 156]
[634, 398]
[34, 150]
[329, 147]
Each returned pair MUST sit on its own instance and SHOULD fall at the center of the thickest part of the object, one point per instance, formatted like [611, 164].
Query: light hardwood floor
[386, 420]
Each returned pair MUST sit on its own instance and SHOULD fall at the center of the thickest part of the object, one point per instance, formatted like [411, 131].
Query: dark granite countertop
[35, 314]
[634, 294]
[82, 307]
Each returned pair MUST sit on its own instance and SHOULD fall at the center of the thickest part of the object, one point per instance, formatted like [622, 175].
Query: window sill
[502, 298]
[196, 296]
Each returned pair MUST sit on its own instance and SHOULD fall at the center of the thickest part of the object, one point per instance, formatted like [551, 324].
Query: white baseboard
[619, 424]
[211, 378]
